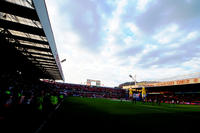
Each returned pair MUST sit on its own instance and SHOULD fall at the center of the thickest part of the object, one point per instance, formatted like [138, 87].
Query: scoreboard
[90, 81]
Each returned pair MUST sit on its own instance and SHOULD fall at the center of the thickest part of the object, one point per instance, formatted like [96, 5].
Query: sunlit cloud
[108, 40]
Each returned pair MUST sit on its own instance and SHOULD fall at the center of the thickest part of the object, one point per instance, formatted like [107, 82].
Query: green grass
[116, 115]
[126, 107]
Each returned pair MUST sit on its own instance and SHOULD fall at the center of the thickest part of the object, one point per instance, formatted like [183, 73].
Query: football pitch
[93, 114]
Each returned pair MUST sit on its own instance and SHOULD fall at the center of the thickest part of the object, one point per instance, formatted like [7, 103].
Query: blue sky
[109, 39]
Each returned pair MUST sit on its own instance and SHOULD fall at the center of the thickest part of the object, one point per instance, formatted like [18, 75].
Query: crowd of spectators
[90, 91]
[174, 99]
[25, 98]
[37, 94]
[26, 102]
[19, 95]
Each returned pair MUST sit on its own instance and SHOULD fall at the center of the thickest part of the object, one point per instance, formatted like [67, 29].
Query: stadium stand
[178, 89]
[28, 54]
[90, 91]
[180, 94]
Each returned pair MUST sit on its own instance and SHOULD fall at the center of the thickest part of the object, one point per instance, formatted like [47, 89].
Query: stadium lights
[63, 60]
[134, 78]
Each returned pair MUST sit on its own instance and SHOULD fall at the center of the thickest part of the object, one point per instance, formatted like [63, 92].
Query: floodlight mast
[134, 78]
[63, 60]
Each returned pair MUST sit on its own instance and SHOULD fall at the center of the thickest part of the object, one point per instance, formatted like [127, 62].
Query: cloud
[167, 35]
[108, 40]
[87, 20]
[195, 61]
[142, 5]
[170, 56]
[161, 13]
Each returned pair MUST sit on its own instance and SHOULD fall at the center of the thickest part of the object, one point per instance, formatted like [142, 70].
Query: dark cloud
[161, 13]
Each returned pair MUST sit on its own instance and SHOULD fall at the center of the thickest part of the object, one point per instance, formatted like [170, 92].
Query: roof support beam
[18, 10]
[47, 55]
[43, 61]
[54, 65]
[33, 47]
[49, 67]
[52, 70]
[21, 27]
[28, 39]
[42, 58]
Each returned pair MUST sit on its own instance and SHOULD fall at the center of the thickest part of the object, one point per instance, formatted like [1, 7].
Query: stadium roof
[26, 24]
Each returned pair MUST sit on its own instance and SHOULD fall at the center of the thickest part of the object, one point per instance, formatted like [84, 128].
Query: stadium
[31, 101]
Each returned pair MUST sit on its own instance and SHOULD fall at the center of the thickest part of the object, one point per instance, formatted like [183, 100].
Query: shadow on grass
[75, 116]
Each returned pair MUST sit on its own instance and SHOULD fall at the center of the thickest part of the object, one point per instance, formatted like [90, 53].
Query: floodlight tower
[62, 61]
[134, 78]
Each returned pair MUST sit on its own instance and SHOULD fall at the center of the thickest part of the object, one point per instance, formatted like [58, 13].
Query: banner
[176, 82]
